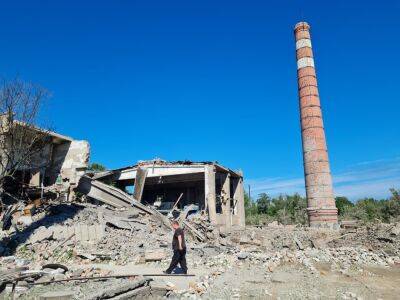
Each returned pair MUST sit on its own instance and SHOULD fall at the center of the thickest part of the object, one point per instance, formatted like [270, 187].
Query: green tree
[368, 209]
[297, 208]
[249, 205]
[292, 209]
[343, 205]
[96, 167]
[263, 202]
[391, 207]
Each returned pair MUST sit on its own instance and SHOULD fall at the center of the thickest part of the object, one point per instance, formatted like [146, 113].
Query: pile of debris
[382, 237]
[62, 242]
[83, 247]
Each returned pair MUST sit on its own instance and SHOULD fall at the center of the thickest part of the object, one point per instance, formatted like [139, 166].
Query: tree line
[292, 209]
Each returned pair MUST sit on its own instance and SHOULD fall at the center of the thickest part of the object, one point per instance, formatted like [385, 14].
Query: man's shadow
[178, 270]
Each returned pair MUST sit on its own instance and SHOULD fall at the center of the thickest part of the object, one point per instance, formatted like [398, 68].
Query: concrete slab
[58, 295]
[179, 282]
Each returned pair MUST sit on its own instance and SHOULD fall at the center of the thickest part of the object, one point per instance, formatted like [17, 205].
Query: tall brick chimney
[321, 208]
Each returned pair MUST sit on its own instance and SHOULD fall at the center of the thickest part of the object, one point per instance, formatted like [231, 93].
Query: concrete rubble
[68, 244]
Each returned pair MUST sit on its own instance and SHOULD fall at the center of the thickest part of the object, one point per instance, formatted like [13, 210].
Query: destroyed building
[59, 164]
[182, 185]
[56, 164]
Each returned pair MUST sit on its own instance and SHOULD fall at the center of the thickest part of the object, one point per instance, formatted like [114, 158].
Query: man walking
[179, 247]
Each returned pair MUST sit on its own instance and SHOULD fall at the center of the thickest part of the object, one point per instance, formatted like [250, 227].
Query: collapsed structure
[56, 164]
[321, 206]
[181, 185]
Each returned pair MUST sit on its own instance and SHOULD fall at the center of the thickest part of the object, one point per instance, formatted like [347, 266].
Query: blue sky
[215, 80]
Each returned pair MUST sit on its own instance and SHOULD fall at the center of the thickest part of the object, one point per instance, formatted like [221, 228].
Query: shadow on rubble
[55, 215]
[178, 270]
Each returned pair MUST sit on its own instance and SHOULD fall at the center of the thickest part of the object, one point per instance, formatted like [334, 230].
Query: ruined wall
[42, 159]
[70, 159]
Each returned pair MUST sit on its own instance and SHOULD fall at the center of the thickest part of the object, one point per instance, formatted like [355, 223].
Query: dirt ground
[293, 281]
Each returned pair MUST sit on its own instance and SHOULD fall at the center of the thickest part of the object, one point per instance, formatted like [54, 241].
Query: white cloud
[365, 179]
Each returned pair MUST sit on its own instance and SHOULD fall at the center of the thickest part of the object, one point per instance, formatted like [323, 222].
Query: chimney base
[323, 217]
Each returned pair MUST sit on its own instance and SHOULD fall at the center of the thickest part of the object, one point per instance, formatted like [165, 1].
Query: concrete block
[154, 255]
[57, 295]
[41, 234]
[29, 210]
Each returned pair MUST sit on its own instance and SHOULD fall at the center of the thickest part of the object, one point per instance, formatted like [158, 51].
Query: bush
[292, 209]
[286, 209]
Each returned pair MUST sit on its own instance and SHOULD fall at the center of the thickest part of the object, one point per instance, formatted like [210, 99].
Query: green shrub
[292, 209]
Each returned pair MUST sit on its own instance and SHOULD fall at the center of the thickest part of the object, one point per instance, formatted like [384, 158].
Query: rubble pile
[381, 237]
[97, 231]
[65, 244]
[276, 245]
[65, 241]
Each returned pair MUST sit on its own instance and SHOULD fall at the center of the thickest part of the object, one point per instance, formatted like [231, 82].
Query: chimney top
[301, 26]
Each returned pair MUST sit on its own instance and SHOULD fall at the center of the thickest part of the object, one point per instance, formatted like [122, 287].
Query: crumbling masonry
[201, 186]
[321, 207]
[57, 167]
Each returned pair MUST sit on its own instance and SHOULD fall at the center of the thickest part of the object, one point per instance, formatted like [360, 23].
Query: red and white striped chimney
[321, 206]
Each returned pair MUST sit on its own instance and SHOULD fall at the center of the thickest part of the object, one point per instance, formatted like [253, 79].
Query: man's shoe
[166, 272]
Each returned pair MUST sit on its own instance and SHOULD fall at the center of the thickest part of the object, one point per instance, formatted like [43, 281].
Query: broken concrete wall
[215, 189]
[42, 160]
[70, 160]
[225, 198]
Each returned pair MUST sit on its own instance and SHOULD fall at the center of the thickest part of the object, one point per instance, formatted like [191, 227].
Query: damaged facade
[183, 185]
[63, 162]
[57, 165]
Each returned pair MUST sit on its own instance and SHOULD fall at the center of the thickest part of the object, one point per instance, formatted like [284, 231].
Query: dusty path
[296, 282]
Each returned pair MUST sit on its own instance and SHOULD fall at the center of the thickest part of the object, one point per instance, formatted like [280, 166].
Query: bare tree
[20, 138]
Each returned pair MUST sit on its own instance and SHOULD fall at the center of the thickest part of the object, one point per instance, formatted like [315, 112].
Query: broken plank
[194, 231]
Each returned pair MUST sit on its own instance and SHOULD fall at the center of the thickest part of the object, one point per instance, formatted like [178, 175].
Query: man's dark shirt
[175, 242]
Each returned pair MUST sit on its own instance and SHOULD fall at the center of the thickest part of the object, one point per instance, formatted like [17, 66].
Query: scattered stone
[395, 230]
[86, 255]
[21, 287]
[154, 255]
[7, 259]
[9, 288]
[29, 210]
[21, 262]
[55, 267]
[298, 243]
[318, 243]
[243, 255]
[41, 234]
[25, 220]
